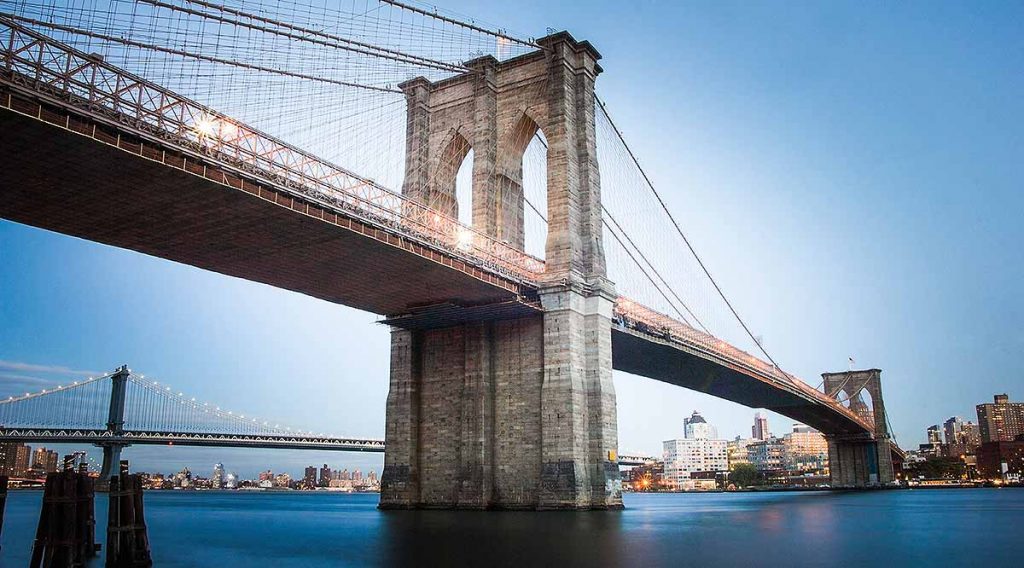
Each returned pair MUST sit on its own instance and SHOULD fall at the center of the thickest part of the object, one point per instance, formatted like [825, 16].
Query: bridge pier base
[511, 414]
[860, 463]
[111, 462]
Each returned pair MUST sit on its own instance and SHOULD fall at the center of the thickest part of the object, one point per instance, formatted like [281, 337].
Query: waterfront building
[343, 474]
[698, 452]
[15, 462]
[183, 478]
[309, 479]
[283, 480]
[231, 481]
[767, 455]
[357, 475]
[266, 476]
[325, 476]
[696, 428]
[805, 450]
[372, 476]
[1001, 460]
[736, 451]
[934, 434]
[1002, 420]
[645, 477]
[44, 461]
[217, 481]
[759, 431]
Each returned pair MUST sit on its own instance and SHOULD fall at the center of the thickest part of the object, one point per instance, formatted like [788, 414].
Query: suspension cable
[460, 23]
[197, 56]
[336, 41]
[683, 235]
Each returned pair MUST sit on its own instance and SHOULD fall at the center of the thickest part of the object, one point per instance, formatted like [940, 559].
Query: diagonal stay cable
[683, 235]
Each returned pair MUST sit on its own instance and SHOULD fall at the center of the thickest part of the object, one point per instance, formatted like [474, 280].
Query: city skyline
[82, 306]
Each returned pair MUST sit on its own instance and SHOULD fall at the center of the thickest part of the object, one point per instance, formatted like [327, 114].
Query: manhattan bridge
[465, 183]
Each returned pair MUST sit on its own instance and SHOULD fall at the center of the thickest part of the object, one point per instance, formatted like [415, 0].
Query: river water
[935, 527]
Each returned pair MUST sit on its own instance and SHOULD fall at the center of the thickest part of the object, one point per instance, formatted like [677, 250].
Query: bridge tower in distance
[498, 411]
[861, 461]
[115, 425]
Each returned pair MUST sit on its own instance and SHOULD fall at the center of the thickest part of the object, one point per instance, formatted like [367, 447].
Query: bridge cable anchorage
[191, 55]
[679, 230]
[467, 25]
[337, 41]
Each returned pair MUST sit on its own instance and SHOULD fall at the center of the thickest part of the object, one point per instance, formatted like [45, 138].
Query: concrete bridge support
[510, 413]
[861, 461]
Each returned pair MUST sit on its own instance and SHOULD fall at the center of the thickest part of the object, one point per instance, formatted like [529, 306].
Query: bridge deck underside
[640, 354]
[58, 180]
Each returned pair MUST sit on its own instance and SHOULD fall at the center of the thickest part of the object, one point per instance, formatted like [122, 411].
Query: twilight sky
[851, 172]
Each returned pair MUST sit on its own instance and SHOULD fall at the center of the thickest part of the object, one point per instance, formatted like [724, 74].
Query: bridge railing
[638, 316]
[98, 89]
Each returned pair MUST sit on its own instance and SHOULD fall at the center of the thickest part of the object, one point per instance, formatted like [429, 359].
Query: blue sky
[851, 172]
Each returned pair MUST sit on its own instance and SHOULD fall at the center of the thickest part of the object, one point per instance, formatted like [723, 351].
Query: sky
[851, 173]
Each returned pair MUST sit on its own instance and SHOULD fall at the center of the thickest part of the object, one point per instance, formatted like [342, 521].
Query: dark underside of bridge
[641, 354]
[70, 183]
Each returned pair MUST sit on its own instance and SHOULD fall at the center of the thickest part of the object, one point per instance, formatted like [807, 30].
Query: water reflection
[297, 530]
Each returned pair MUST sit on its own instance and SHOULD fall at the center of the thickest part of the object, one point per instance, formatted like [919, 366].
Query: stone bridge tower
[510, 413]
[867, 460]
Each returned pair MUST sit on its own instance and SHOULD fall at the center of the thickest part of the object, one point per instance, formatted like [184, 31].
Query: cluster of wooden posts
[66, 535]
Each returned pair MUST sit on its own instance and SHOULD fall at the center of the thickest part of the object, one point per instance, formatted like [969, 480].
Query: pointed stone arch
[441, 194]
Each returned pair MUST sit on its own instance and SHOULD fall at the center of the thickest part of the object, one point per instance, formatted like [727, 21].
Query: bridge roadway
[71, 169]
[102, 437]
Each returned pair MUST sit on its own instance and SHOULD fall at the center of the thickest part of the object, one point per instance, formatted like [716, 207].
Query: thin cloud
[9, 378]
[50, 369]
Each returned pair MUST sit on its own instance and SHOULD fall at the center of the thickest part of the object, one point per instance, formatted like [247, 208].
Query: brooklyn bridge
[468, 186]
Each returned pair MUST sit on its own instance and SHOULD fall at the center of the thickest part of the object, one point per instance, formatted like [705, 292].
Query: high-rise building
[342, 475]
[231, 481]
[952, 429]
[760, 429]
[698, 453]
[357, 475]
[325, 476]
[805, 450]
[266, 475]
[14, 459]
[686, 457]
[217, 481]
[44, 461]
[972, 435]
[1002, 420]
[696, 428]
[934, 435]
[309, 479]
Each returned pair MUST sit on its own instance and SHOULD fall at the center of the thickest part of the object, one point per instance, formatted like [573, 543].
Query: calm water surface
[911, 528]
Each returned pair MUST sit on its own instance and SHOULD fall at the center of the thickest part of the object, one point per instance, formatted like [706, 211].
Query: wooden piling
[127, 538]
[66, 535]
[3, 501]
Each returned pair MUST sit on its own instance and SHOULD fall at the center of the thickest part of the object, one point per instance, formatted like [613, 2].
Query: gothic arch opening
[443, 194]
[522, 187]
